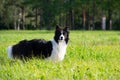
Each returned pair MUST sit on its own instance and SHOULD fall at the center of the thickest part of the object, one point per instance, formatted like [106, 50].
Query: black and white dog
[54, 49]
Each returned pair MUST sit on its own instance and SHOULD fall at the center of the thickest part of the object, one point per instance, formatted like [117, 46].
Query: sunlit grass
[91, 55]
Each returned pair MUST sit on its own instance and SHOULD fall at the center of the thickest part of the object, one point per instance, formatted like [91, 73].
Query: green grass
[91, 55]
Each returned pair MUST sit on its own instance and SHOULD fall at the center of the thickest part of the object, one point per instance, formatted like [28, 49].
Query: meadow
[91, 55]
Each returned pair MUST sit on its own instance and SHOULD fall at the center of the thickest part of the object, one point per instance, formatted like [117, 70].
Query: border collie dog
[53, 50]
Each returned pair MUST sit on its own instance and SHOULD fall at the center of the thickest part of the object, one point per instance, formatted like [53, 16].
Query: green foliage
[91, 55]
[52, 12]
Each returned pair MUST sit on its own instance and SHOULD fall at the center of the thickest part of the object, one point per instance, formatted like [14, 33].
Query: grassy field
[91, 55]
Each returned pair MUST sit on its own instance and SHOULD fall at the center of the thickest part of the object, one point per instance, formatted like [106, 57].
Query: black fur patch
[32, 48]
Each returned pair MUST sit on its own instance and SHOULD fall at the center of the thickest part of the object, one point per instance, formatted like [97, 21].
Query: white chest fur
[58, 51]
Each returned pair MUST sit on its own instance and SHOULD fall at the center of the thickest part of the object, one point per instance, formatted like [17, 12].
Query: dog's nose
[61, 38]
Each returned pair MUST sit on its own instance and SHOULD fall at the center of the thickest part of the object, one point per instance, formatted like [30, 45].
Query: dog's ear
[66, 28]
[57, 27]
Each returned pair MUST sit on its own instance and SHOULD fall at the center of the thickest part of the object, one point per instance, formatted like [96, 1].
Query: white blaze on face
[61, 36]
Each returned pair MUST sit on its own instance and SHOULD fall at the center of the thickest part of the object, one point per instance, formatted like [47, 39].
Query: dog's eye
[63, 33]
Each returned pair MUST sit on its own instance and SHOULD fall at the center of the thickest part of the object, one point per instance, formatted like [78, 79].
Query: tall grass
[91, 55]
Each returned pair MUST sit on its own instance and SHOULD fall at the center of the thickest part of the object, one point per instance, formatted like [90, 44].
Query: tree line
[45, 14]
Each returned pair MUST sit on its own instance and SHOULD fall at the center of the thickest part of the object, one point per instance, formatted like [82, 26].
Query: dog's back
[31, 48]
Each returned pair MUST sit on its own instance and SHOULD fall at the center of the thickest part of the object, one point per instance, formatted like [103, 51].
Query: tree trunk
[23, 18]
[93, 16]
[60, 19]
[67, 20]
[83, 17]
[103, 22]
[15, 20]
[41, 18]
[110, 19]
[88, 19]
[119, 21]
[36, 18]
[71, 18]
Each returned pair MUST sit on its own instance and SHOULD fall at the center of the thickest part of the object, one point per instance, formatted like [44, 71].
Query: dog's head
[61, 34]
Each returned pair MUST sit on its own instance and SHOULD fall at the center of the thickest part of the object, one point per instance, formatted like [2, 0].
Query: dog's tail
[9, 51]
